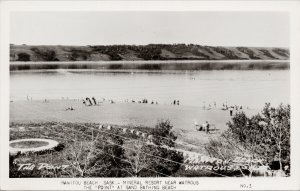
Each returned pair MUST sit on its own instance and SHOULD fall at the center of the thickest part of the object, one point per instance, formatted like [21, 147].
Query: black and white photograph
[149, 94]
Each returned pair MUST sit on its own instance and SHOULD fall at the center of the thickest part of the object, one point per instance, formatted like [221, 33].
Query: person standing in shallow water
[88, 99]
[94, 100]
[83, 101]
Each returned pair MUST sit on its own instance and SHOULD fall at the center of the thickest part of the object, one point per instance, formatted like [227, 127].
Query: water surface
[194, 88]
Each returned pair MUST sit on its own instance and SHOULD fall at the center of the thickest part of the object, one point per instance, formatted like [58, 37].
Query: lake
[250, 88]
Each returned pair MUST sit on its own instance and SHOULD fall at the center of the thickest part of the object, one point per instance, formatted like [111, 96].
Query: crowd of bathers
[232, 107]
[175, 102]
[89, 102]
[92, 102]
[144, 100]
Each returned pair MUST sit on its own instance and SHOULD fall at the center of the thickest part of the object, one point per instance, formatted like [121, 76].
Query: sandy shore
[182, 117]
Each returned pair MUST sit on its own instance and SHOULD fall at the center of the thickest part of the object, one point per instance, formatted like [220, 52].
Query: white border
[293, 7]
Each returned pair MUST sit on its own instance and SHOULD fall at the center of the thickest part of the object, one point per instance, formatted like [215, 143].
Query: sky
[256, 29]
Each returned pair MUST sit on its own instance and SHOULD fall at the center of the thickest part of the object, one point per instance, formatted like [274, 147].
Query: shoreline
[156, 65]
[146, 61]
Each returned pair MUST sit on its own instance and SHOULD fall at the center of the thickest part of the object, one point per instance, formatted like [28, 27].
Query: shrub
[146, 160]
[265, 136]
[23, 57]
[163, 135]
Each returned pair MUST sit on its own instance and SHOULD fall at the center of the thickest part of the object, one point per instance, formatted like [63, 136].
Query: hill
[143, 52]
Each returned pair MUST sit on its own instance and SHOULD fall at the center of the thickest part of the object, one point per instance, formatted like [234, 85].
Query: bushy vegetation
[23, 57]
[263, 136]
[163, 135]
[45, 54]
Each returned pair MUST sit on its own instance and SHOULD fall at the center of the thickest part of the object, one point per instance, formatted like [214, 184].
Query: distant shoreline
[151, 52]
[146, 61]
[155, 65]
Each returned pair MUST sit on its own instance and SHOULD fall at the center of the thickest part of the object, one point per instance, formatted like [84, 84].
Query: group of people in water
[70, 108]
[232, 108]
[210, 106]
[175, 102]
[203, 127]
[89, 102]
[29, 98]
[108, 100]
[142, 101]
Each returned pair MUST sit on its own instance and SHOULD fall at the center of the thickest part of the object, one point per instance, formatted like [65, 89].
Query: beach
[183, 118]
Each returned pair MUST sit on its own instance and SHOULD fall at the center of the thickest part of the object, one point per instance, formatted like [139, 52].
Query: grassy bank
[156, 65]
